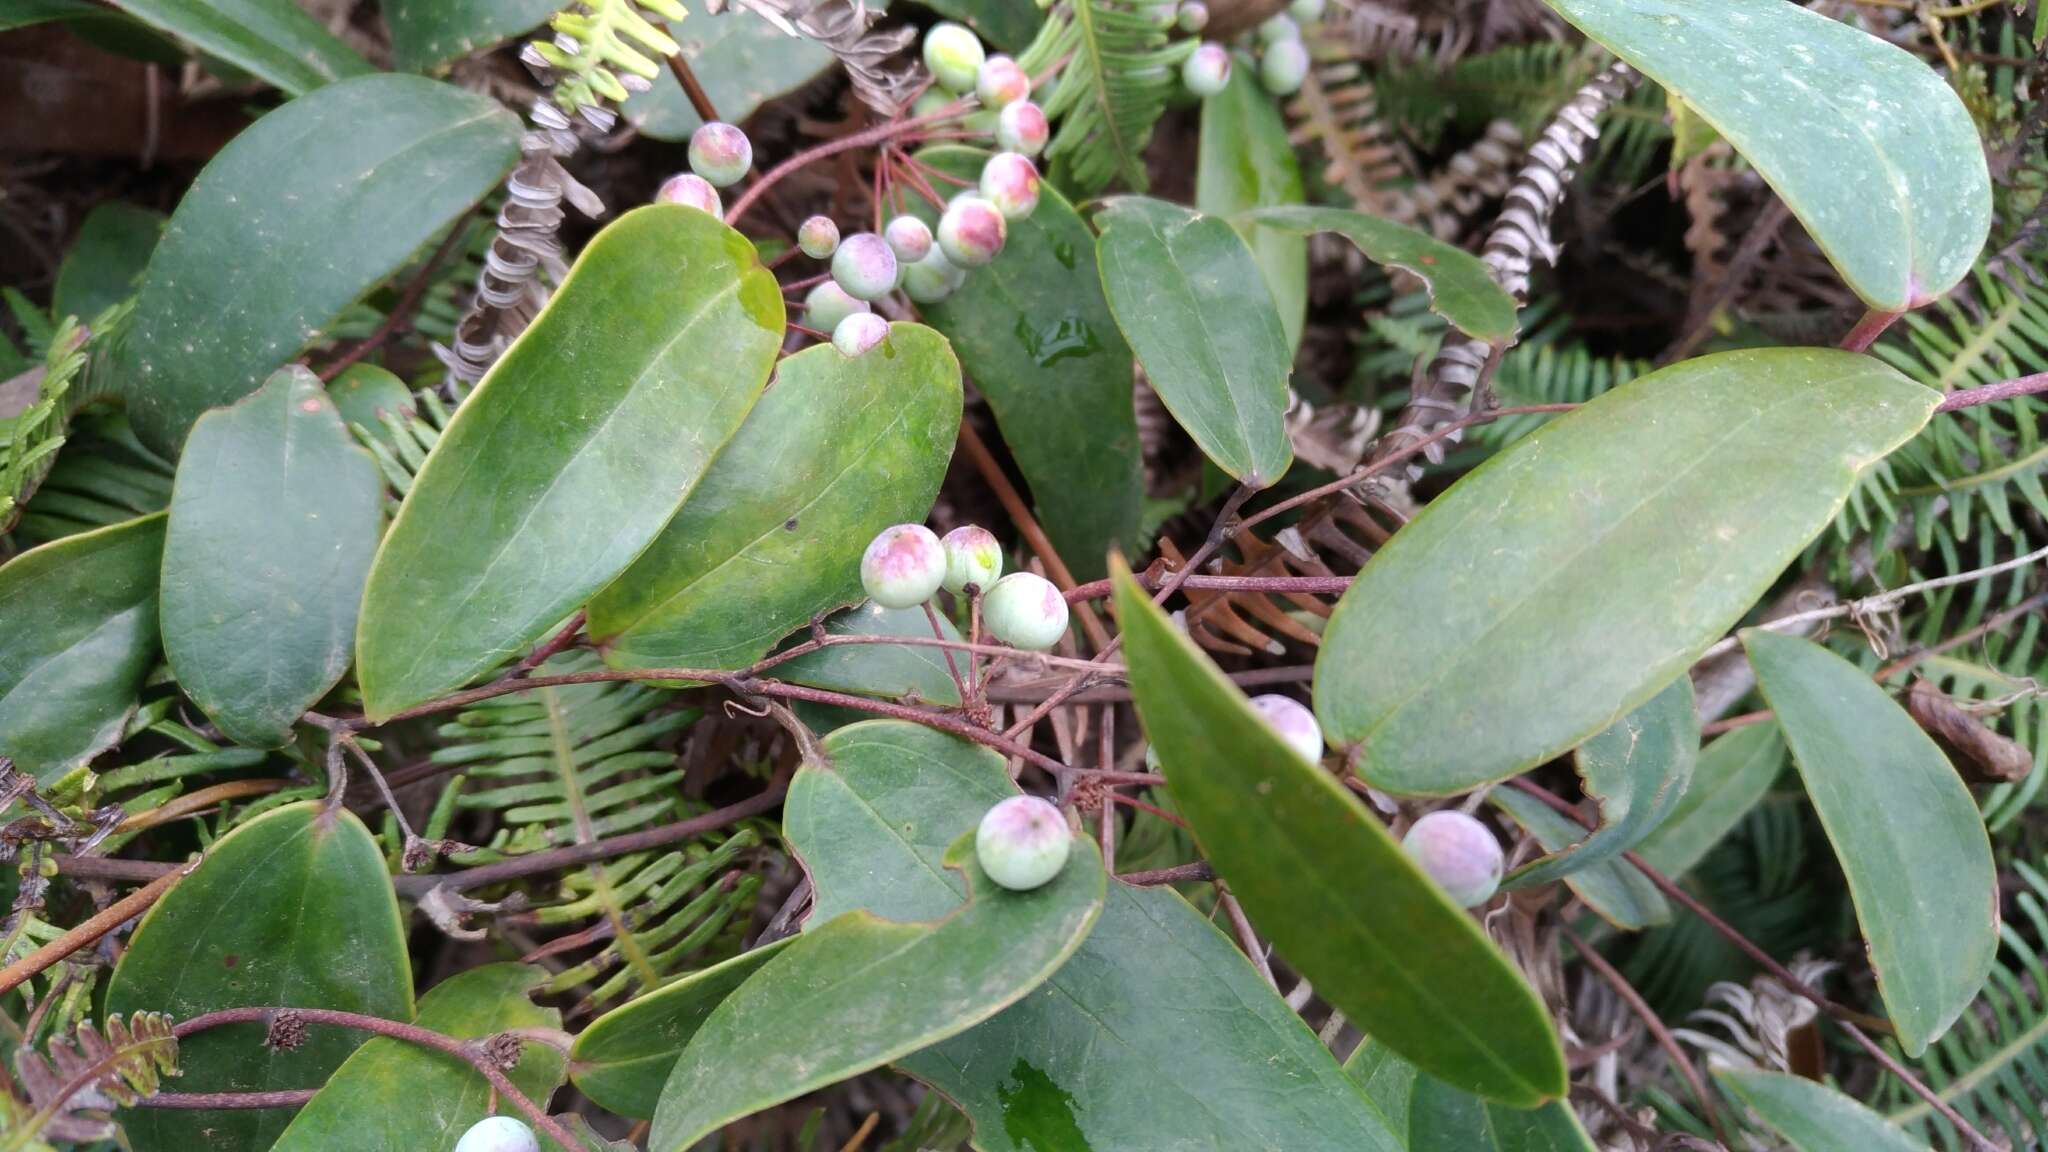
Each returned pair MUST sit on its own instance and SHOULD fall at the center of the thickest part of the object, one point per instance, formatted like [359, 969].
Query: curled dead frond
[87, 1075]
[1761, 1024]
[842, 26]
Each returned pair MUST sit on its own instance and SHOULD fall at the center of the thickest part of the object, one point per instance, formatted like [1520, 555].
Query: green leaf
[1007, 25]
[1868, 146]
[272, 40]
[1189, 297]
[1733, 774]
[274, 518]
[1395, 955]
[1431, 1115]
[26, 13]
[100, 271]
[292, 909]
[1813, 1117]
[1636, 770]
[1460, 288]
[426, 34]
[841, 448]
[77, 635]
[572, 454]
[741, 60]
[1571, 577]
[391, 1096]
[623, 1058]
[365, 393]
[1616, 890]
[1911, 843]
[1244, 161]
[889, 671]
[860, 991]
[302, 213]
[1056, 372]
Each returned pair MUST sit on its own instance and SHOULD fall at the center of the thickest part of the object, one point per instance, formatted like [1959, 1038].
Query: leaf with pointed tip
[1909, 838]
[426, 34]
[1733, 774]
[573, 453]
[272, 40]
[1246, 161]
[1614, 889]
[101, 269]
[890, 671]
[1395, 955]
[1868, 146]
[1432, 1116]
[1571, 577]
[1813, 1117]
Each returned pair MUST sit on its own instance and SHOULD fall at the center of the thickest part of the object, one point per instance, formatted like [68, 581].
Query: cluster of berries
[907, 564]
[1282, 57]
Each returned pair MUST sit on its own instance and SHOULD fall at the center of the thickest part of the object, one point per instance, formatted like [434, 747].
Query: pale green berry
[1022, 127]
[1307, 11]
[1459, 853]
[971, 231]
[818, 237]
[1206, 71]
[909, 238]
[933, 278]
[1295, 724]
[953, 55]
[1024, 610]
[827, 304]
[930, 103]
[1010, 182]
[1194, 16]
[1000, 82]
[1278, 28]
[693, 190]
[903, 566]
[859, 332]
[721, 154]
[973, 556]
[498, 1134]
[864, 266]
[1283, 66]
[1022, 843]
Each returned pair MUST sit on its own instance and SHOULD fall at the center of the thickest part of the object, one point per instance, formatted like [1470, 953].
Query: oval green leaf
[292, 909]
[741, 60]
[1909, 838]
[839, 449]
[1733, 774]
[426, 34]
[274, 517]
[1245, 161]
[1394, 955]
[101, 269]
[298, 216]
[272, 40]
[572, 454]
[1868, 146]
[1571, 577]
[78, 632]
[1191, 300]
[1616, 890]
[1433, 1116]
[1813, 1117]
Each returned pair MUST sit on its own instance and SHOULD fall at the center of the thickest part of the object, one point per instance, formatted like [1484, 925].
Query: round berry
[933, 278]
[1010, 182]
[1022, 127]
[1283, 66]
[864, 266]
[1307, 11]
[909, 238]
[828, 304]
[859, 332]
[1459, 853]
[721, 154]
[1278, 28]
[1024, 610]
[973, 556]
[971, 232]
[818, 237]
[1000, 82]
[1022, 843]
[929, 104]
[1194, 16]
[1206, 70]
[953, 55]
[903, 566]
[692, 190]
[498, 1134]
[1295, 724]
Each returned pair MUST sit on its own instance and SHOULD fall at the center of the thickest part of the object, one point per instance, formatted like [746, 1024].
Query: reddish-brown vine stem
[85, 935]
[401, 312]
[1655, 1024]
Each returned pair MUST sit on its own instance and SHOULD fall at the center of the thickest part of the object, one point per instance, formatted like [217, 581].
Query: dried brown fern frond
[1452, 197]
[1335, 113]
[87, 1075]
[842, 26]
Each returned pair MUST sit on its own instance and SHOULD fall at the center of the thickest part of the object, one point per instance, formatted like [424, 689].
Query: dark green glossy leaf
[77, 635]
[891, 671]
[298, 216]
[392, 1096]
[1189, 297]
[1432, 1116]
[24, 13]
[104, 263]
[741, 60]
[1461, 290]
[1394, 955]
[365, 393]
[1056, 372]
[572, 454]
[1813, 1117]
[1574, 575]
[1910, 840]
[1868, 145]
[839, 449]
[272, 40]
[426, 34]
[1007, 25]
[292, 909]
[1733, 774]
[1614, 889]
[274, 517]
[1245, 161]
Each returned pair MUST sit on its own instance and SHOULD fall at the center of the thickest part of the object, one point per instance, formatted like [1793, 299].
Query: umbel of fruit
[1459, 853]
[903, 566]
[1022, 843]
[1024, 610]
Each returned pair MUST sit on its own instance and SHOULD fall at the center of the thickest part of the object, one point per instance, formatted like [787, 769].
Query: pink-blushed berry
[953, 55]
[903, 566]
[971, 231]
[933, 278]
[1022, 127]
[1283, 65]
[818, 236]
[1000, 82]
[865, 266]
[1458, 852]
[1010, 182]
[1277, 28]
[1024, 610]
[721, 154]
[1206, 71]
[859, 332]
[1194, 16]
[693, 190]
[1295, 724]
[826, 304]
[909, 238]
[973, 556]
[1022, 843]
[498, 1134]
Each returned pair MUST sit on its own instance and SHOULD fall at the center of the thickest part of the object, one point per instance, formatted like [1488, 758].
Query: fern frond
[103, 476]
[401, 440]
[1523, 83]
[1120, 72]
[1336, 112]
[89, 1074]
